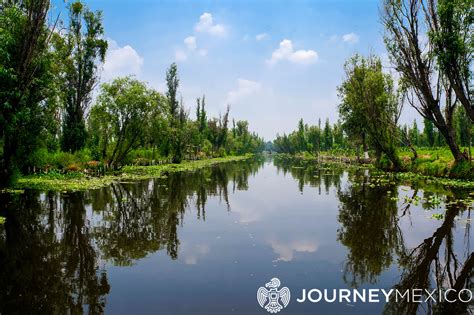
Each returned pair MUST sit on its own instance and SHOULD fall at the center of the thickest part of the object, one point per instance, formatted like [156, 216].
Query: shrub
[462, 170]
[39, 159]
[62, 159]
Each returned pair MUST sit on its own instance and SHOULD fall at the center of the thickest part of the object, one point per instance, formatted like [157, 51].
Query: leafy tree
[83, 51]
[450, 32]
[368, 101]
[327, 136]
[121, 111]
[301, 144]
[241, 141]
[172, 83]
[414, 134]
[414, 59]
[202, 116]
[314, 138]
[282, 144]
[428, 132]
[338, 135]
[463, 127]
[26, 75]
[177, 115]
[352, 113]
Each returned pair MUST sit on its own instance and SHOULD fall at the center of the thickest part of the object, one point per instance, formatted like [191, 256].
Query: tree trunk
[450, 138]
[365, 146]
[8, 167]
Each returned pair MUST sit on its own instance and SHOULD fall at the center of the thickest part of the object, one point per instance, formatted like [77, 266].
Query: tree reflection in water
[49, 265]
[434, 264]
[53, 247]
[308, 173]
[370, 229]
[369, 218]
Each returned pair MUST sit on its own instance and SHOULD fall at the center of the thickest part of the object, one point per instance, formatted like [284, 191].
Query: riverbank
[75, 181]
[428, 168]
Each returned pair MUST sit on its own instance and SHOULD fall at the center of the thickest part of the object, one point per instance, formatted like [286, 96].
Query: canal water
[203, 242]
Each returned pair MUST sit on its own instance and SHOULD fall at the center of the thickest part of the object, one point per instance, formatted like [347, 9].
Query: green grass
[432, 164]
[74, 181]
[437, 162]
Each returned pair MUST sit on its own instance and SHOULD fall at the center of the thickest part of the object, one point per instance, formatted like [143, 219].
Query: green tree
[122, 109]
[172, 83]
[452, 40]
[26, 75]
[177, 115]
[428, 132]
[314, 138]
[352, 111]
[301, 144]
[84, 50]
[413, 58]
[338, 135]
[463, 126]
[327, 136]
[368, 101]
[202, 117]
[414, 134]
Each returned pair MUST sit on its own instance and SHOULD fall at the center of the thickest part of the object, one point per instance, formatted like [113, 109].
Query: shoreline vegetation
[59, 118]
[430, 167]
[52, 117]
[79, 181]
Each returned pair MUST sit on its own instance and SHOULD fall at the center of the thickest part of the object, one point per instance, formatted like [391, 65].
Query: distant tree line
[428, 136]
[48, 75]
[311, 139]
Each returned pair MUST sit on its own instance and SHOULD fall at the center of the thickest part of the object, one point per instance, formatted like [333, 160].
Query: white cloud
[286, 52]
[206, 25]
[190, 42]
[286, 251]
[121, 61]
[190, 50]
[350, 38]
[261, 36]
[180, 55]
[244, 89]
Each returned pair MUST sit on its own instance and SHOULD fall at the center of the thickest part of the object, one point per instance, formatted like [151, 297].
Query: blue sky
[273, 61]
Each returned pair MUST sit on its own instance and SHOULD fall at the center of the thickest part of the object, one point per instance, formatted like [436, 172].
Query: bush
[63, 159]
[384, 163]
[462, 170]
[39, 159]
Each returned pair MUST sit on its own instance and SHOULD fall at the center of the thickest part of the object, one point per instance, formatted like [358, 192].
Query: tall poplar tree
[84, 50]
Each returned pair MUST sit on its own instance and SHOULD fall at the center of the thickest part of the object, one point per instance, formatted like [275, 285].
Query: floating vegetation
[3, 220]
[79, 181]
[12, 191]
[459, 183]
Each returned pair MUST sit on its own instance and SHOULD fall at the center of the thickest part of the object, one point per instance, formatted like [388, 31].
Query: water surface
[203, 242]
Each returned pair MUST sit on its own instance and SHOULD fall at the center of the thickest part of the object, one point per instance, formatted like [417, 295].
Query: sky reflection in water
[203, 242]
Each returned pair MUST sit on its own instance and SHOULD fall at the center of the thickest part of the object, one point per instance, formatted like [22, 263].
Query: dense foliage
[311, 139]
[50, 120]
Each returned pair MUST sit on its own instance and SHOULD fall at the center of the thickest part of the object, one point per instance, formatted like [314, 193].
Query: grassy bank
[431, 166]
[436, 163]
[73, 181]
